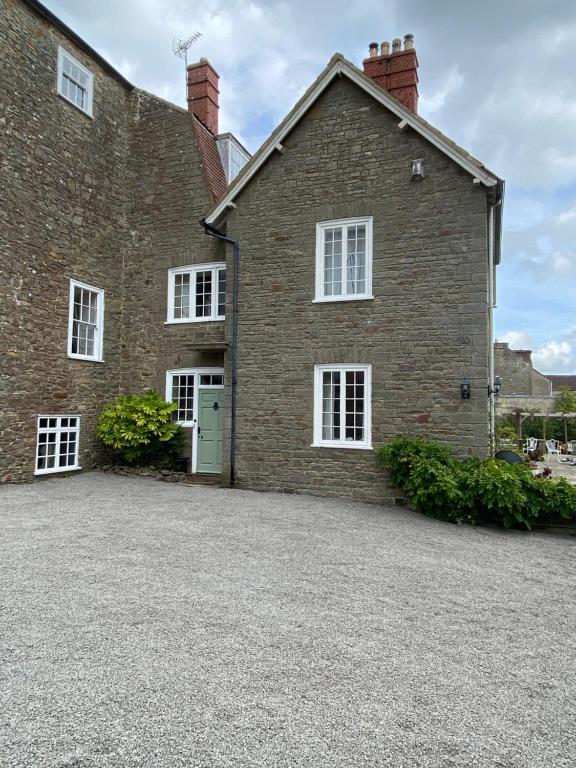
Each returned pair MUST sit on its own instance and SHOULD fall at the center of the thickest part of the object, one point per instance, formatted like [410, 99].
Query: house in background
[561, 381]
[345, 296]
[519, 377]
[524, 389]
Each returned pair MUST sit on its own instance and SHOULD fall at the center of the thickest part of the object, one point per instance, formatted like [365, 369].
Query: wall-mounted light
[417, 169]
[465, 389]
[496, 387]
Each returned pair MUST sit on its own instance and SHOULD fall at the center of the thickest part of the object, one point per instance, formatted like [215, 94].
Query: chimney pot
[396, 71]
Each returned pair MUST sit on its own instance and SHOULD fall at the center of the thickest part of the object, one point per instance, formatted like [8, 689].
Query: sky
[497, 76]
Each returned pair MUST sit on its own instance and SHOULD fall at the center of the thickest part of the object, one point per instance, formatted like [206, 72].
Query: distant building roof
[562, 380]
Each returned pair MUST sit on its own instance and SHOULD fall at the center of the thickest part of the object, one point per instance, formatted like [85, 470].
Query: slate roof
[562, 380]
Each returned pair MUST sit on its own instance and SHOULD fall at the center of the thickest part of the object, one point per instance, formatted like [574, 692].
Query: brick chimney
[202, 81]
[396, 71]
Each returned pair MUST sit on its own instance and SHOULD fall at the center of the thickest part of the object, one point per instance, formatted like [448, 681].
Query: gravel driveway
[148, 624]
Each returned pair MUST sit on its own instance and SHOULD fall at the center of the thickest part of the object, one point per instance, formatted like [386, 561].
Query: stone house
[523, 388]
[103, 186]
[519, 377]
[359, 243]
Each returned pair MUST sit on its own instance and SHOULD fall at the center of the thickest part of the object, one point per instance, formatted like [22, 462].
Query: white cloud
[428, 104]
[516, 339]
[554, 357]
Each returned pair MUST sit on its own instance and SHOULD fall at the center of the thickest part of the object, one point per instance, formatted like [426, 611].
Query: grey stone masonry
[425, 328]
[519, 377]
[63, 207]
[114, 201]
[169, 197]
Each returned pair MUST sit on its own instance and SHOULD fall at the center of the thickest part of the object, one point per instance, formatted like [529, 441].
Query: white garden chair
[571, 446]
[553, 446]
[530, 445]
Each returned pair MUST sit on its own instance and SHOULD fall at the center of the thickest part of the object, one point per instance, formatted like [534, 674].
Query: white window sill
[349, 445]
[327, 299]
[56, 470]
[86, 358]
[69, 101]
[195, 320]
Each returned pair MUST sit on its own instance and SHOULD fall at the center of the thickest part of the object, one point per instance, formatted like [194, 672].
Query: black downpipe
[235, 266]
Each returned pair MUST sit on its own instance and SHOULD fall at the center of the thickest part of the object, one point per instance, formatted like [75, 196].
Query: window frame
[192, 270]
[64, 54]
[99, 339]
[197, 373]
[58, 430]
[342, 368]
[321, 228]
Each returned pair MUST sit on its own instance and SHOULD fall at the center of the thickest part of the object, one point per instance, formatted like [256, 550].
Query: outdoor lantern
[465, 389]
[496, 387]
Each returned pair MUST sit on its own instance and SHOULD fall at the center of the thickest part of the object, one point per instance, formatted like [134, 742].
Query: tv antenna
[180, 47]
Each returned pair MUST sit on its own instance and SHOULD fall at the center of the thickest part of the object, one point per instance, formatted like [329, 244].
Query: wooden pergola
[522, 415]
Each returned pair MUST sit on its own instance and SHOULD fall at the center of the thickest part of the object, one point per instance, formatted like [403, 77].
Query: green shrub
[403, 453]
[497, 491]
[139, 430]
[506, 438]
[434, 489]
[555, 499]
[473, 490]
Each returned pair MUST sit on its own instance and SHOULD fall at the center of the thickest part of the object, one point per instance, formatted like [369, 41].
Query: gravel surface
[147, 624]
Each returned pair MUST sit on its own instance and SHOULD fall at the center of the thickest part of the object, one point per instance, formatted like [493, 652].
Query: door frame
[196, 372]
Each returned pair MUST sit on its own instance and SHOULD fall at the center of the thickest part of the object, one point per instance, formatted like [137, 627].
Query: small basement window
[57, 444]
[75, 82]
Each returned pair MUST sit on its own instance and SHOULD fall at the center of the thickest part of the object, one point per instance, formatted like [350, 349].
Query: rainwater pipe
[212, 232]
[491, 305]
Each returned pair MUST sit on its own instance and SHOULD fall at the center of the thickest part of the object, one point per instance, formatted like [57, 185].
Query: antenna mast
[180, 47]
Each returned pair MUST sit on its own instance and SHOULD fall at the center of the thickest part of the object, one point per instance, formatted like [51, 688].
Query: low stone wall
[167, 475]
[525, 404]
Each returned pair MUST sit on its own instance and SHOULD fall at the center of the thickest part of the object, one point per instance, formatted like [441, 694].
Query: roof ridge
[339, 65]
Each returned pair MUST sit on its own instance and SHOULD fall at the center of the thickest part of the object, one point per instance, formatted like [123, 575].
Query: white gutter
[491, 305]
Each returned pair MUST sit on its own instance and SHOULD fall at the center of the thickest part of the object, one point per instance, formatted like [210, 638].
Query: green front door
[209, 442]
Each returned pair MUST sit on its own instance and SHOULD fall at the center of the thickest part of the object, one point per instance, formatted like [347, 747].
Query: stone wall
[525, 404]
[169, 196]
[63, 215]
[114, 201]
[514, 366]
[424, 330]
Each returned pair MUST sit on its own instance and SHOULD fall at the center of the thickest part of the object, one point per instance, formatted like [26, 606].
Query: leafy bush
[496, 490]
[506, 438]
[434, 489]
[473, 490]
[403, 453]
[555, 499]
[140, 431]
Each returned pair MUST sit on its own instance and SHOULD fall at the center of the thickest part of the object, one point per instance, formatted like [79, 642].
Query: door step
[201, 479]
